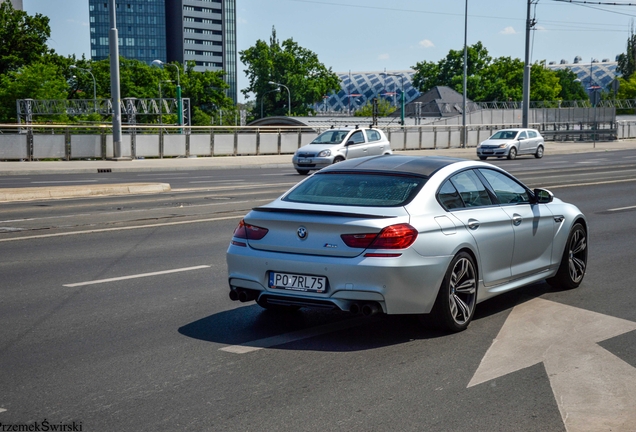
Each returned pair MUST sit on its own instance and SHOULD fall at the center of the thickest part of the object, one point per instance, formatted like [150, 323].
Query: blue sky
[373, 35]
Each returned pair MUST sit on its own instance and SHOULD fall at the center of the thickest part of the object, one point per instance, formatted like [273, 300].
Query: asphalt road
[115, 316]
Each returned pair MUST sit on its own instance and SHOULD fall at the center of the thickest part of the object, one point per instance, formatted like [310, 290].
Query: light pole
[179, 101]
[402, 99]
[263, 97]
[94, 84]
[465, 91]
[288, 96]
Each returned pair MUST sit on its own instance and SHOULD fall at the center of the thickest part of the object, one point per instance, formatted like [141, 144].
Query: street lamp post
[263, 97]
[179, 101]
[94, 84]
[402, 99]
[288, 96]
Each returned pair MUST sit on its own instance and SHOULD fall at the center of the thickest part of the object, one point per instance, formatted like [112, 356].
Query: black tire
[302, 171]
[512, 153]
[338, 159]
[276, 307]
[539, 153]
[455, 304]
[573, 261]
[483, 157]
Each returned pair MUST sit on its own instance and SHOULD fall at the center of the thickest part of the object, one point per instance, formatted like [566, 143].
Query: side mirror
[543, 196]
[520, 139]
[350, 143]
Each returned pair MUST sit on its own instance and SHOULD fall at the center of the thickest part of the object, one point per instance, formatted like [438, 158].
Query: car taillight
[249, 232]
[398, 236]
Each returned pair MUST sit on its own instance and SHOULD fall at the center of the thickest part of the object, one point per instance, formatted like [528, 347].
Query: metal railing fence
[64, 142]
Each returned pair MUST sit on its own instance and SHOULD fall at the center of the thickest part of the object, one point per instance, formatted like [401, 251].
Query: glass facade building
[202, 31]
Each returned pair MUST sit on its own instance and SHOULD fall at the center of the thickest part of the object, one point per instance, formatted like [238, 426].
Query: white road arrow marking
[594, 390]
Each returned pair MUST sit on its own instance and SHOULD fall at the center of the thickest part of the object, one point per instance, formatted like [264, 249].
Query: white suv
[335, 145]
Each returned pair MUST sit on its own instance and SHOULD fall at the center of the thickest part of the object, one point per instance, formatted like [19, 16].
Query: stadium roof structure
[359, 88]
[593, 74]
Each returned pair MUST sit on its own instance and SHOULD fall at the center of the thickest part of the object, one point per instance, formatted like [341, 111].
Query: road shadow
[247, 324]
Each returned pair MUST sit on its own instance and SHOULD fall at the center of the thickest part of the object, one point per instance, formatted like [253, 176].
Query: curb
[37, 193]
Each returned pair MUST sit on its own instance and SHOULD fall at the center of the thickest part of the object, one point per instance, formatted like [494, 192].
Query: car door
[533, 141]
[533, 224]
[376, 145]
[356, 145]
[523, 142]
[488, 224]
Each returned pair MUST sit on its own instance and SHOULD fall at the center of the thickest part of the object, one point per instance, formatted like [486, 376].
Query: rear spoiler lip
[322, 213]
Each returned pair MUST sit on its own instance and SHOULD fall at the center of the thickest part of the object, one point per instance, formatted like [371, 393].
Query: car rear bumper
[404, 285]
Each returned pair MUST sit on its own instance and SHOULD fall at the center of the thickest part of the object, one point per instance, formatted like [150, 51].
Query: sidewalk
[220, 162]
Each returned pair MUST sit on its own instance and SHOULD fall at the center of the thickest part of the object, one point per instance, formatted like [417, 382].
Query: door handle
[473, 224]
[516, 219]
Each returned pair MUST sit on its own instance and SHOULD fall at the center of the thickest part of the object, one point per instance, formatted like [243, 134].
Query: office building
[17, 4]
[202, 31]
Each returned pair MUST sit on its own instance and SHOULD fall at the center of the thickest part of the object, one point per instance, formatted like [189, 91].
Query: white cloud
[508, 31]
[426, 44]
[383, 57]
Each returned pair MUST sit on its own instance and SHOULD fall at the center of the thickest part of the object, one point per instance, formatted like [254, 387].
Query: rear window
[357, 189]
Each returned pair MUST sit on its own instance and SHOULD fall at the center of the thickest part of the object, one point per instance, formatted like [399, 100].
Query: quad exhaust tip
[367, 309]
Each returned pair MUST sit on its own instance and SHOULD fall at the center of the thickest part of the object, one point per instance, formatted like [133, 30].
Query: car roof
[515, 130]
[350, 128]
[424, 166]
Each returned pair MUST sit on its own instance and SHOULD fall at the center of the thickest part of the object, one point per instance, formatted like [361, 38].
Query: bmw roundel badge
[302, 232]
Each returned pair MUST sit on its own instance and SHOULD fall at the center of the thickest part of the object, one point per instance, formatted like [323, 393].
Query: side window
[523, 135]
[508, 191]
[448, 196]
[373, 135]
[471, 189]
[532, 134]
[356, 137]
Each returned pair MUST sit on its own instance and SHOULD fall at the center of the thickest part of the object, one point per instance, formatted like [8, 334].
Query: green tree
[22, 37]
[502, 81]
[571, 88]
[450, 70]
[627, 61]
[384, 109]
[36, 81]
[488, 79]
[291, 65]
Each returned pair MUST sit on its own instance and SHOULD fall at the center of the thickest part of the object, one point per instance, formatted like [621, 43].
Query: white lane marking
[593, 388]
[64, 181]
[2, 410]
[621, 208]
[269, 342]
[121, 228]
[136, 276]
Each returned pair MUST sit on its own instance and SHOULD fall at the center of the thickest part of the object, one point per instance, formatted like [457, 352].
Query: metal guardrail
[77, 142]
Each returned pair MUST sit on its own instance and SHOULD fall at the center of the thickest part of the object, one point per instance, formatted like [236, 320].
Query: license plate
[488, 152]
[297, 282]
[304, 161]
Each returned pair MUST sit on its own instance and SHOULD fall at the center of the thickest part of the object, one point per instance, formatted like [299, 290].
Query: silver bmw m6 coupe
[402, 234]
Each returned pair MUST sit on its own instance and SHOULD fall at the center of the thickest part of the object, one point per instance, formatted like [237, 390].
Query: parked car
[336, 145]
[404, 234]
[512, 142]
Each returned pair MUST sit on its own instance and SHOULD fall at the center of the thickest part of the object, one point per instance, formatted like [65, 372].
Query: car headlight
[324, 153]
[503, 146]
